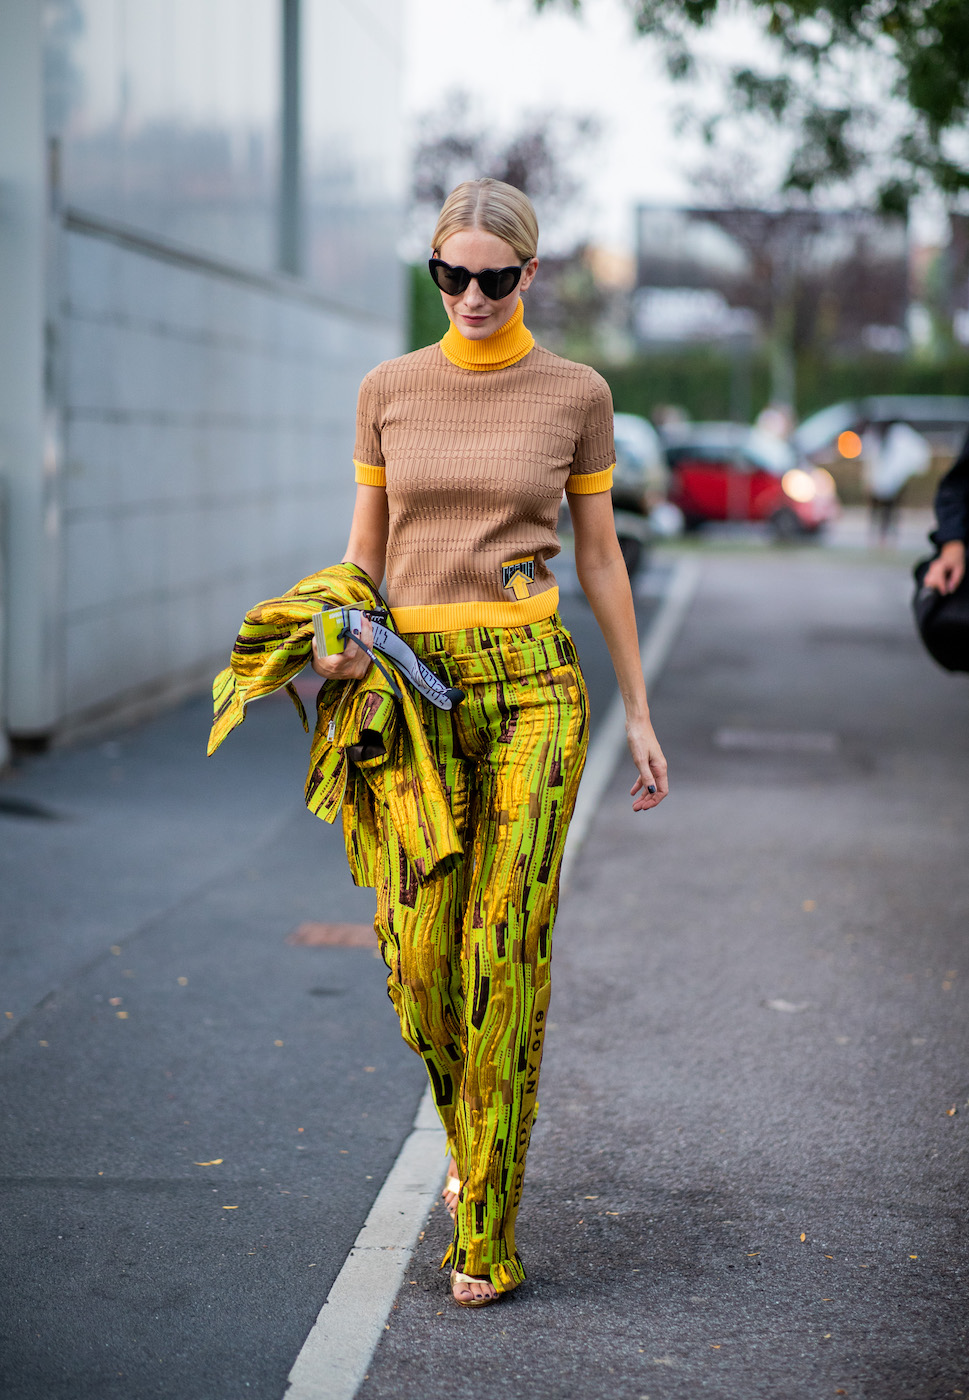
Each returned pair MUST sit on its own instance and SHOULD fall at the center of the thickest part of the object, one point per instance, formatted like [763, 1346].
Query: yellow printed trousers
[469, 951]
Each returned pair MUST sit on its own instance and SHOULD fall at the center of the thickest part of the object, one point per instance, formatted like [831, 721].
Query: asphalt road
[196, 1114]
[748, 1176]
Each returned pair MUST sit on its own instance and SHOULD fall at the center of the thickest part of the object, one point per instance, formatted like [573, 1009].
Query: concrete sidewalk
[748, 1175]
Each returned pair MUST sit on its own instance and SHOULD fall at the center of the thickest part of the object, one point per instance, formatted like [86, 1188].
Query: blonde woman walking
[463, 451]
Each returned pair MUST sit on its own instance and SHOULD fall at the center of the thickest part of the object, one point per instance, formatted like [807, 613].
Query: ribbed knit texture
[474, 465]
[506, 347]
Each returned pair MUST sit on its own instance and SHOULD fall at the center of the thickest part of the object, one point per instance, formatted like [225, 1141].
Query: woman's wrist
[637, 717]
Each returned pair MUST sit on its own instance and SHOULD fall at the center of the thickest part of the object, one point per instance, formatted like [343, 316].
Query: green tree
[922, 46]
[427, 320]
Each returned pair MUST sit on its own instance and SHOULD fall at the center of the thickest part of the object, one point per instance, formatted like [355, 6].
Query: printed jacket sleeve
[368, 459]
[595, 453]
[952, 501]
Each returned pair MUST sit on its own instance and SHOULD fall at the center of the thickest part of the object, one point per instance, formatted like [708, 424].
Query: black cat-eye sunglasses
[495, 282]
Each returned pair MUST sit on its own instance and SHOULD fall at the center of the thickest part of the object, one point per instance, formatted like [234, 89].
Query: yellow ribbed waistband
[453, 617]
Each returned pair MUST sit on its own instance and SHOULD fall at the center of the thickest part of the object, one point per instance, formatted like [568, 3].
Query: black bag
[943, 620]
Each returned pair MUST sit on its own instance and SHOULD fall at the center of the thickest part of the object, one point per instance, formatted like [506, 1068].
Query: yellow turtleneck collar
[505, 347]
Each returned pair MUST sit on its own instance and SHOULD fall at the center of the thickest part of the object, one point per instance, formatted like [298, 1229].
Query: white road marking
[776, 741]
[335, 1356]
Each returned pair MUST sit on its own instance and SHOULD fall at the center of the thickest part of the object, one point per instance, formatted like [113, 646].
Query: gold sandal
[472, 1302]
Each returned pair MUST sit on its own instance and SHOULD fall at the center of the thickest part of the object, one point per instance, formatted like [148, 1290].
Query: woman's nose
[474, 295]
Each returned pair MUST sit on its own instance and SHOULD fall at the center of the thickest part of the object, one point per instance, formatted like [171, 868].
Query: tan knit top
[474, 442]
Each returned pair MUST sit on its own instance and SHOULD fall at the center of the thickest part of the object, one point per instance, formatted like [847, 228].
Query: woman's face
[472, 313]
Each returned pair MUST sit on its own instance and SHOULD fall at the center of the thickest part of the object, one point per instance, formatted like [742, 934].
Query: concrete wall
[176, 418]
[207, 443]
[28, 546]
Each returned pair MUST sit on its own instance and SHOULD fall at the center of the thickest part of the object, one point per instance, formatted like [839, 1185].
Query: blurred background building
[838, 279]
[199, 217]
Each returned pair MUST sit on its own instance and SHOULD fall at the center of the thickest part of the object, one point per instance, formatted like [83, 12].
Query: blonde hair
[494, 207]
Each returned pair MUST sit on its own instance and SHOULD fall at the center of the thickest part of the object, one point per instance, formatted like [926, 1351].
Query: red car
[726, 471]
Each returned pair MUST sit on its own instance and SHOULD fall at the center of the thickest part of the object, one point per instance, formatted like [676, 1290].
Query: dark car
[727, 471]
[942, 418]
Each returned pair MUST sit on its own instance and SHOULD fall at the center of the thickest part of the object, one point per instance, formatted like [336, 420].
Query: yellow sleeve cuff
[366, 475]
[590, 483]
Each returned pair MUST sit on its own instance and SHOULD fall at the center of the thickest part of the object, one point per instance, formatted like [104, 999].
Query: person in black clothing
[947, 571]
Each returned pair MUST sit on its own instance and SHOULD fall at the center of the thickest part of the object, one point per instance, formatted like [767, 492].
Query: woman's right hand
[947, 571]
[349, 665]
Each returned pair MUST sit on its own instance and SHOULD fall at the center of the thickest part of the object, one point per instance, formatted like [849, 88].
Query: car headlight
[799, 485]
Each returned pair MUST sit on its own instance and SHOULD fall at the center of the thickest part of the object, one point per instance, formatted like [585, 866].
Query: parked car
[727, 471]
[640, 482]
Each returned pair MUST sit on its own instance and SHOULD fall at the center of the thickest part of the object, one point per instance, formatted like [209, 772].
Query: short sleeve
[368, 460]
[595, 453]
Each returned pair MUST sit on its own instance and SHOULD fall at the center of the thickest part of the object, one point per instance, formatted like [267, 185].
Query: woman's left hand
[652, 785]
[605, 582]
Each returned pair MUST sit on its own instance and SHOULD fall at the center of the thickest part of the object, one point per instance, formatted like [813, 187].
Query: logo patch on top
[517, 575]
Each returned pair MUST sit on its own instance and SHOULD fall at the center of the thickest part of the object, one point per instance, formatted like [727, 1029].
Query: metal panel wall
[354, 159]
[168, 115]
[199, 405]
[208, 443]
[29, 545]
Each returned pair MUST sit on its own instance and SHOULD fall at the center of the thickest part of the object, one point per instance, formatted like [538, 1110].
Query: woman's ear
[528, 276]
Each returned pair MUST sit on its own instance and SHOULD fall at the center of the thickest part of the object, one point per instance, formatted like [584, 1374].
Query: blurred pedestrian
[891, 455]
[463, 449]
[951, 532]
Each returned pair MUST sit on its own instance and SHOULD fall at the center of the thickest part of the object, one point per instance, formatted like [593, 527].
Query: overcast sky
[512, 60]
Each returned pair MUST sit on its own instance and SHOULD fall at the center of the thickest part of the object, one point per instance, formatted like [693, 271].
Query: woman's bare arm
[367, 545]
[602, 574]
[367, 548]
